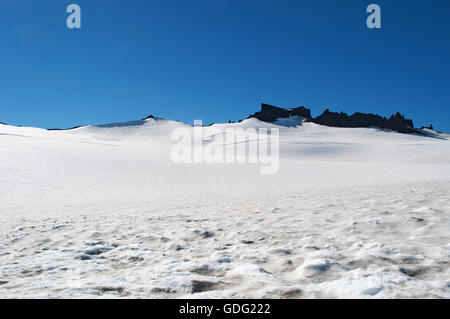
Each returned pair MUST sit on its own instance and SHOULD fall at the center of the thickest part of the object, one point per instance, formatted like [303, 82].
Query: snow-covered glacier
[103, 212]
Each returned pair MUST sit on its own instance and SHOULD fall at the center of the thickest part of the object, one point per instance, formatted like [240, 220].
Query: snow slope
[102, 211]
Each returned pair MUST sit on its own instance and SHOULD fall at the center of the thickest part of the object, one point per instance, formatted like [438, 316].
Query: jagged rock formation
[397, 122]
[270, 113]
[428, 127]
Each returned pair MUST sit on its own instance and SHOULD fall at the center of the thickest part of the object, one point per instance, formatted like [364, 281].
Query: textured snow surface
[102, 212]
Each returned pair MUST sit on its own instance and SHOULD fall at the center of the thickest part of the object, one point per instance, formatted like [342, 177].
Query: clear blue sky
[217, 60]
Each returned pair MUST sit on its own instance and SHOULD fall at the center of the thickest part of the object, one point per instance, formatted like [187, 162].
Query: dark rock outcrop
[270, 113]
[64, 129]
[428, 127]
[396, 122]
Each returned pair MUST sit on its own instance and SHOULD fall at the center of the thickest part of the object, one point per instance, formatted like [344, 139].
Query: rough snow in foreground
[102, 212]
